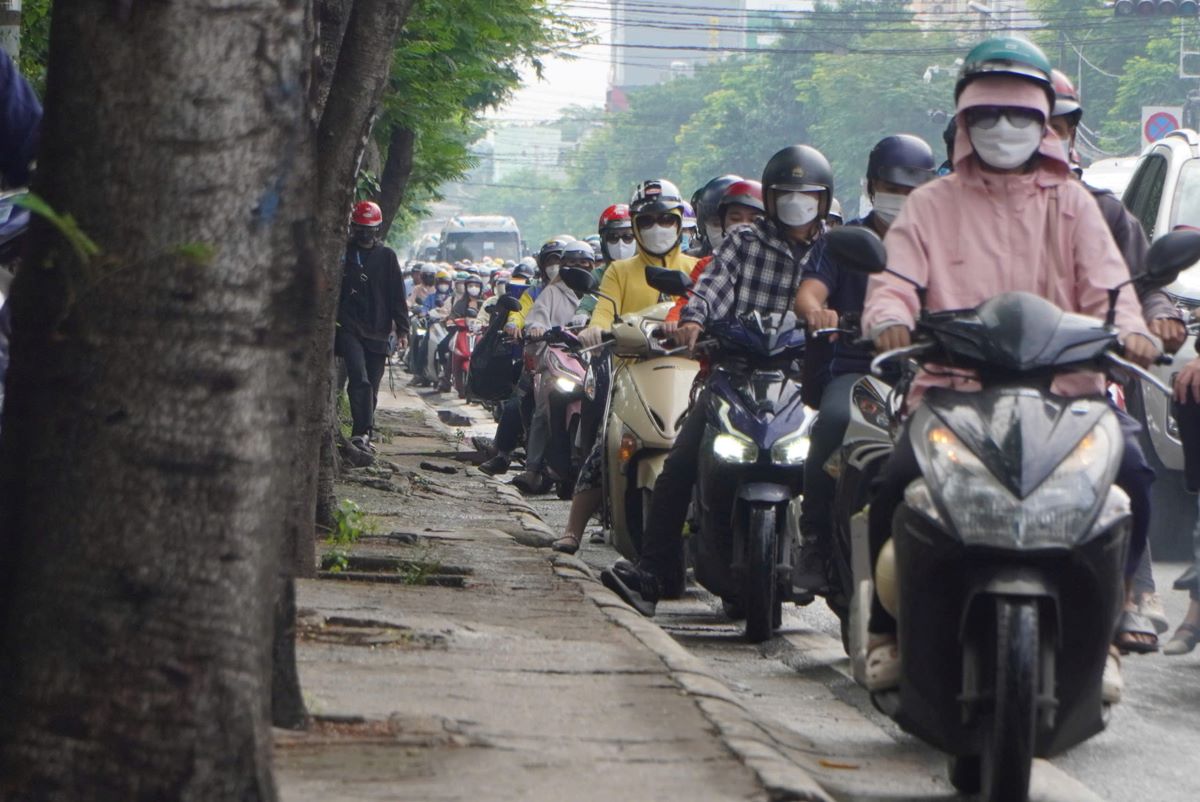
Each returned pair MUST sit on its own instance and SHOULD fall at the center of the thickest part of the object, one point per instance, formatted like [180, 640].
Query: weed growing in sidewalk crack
[349, 524]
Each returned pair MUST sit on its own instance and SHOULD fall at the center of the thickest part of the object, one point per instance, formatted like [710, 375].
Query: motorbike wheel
[760, 591]
[460, 382]
[965, 773]
[1009, 745]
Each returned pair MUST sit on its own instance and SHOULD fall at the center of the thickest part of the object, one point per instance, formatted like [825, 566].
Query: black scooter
[1009, 551]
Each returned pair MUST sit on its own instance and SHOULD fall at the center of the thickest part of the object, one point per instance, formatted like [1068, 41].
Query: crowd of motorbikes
[1010, 543]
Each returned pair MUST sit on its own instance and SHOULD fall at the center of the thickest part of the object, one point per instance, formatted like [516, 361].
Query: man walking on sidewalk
[372, 302]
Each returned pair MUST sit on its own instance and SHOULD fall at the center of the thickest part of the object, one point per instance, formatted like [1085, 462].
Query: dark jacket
[373, 298]
[1131, 241]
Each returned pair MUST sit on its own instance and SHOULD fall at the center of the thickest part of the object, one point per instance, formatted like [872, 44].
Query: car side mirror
[856, 248]
[577, 279]
[509, 303]
[670, 282]
[1168, 257]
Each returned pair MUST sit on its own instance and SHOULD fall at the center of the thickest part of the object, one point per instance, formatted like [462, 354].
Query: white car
[1111, 174]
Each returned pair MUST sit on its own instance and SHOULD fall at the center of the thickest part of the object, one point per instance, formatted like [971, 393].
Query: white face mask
[715, 235]
[796, 208]
[886, 206]
[659, 240]
[501, 286]
[473, 291]
[443, 288]
[551, 273]
[1004, 146]
[622, 250]
[1065, 144]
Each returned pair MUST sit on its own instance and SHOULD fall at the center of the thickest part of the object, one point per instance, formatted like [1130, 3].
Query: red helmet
[615, 216]
[1066, 99]
[366, 213]
[742, 193]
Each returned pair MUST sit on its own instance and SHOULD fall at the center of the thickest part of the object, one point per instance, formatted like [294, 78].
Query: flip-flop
[1134, 623]
[1183, 641]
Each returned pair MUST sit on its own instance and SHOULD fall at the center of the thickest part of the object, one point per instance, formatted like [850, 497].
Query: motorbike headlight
[792, 450]
[728, 448]
[985, 512]
[565, 384]
[589, 385]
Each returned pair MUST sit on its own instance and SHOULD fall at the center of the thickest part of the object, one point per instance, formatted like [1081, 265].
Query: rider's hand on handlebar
[510, 329]
[893, 337]
[1187, 383]
[1171, 331]
[687, 334]
[591, 336]
[668, 328]
[1140, 350]
[402, 341]
[534, 331]
[821, 319]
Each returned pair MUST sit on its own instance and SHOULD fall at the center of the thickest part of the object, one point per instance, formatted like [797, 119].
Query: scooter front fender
[649, 468]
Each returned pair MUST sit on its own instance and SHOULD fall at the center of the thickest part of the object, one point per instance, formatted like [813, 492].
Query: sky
[582, 81]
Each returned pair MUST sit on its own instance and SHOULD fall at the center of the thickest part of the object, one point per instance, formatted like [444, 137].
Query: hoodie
[973, 234]
[625, 282]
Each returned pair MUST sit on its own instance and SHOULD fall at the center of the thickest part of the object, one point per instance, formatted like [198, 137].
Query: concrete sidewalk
[450, 660]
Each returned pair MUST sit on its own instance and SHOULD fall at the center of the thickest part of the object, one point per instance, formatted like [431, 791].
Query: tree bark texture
[332, 16]
[396, 172]
[363, 65]
[153, 394]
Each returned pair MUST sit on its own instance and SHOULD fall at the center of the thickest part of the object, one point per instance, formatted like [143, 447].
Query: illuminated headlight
[565, 384]
[984, 512]
[790, 450]
[420, 332]
[728, 448]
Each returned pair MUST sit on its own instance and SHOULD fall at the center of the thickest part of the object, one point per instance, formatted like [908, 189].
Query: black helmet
[553, 247]
[901, 159]
[523, 269]
[655, 196]
[708, 197]
[798, 168]
[578, 250]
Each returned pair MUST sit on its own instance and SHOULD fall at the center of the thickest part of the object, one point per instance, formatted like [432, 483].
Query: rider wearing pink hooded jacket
[1007, 219]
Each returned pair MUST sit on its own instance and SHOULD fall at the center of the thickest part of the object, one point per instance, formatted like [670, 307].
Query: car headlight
[565, 384]
[728, 448]
[985, 512]
[791, 450]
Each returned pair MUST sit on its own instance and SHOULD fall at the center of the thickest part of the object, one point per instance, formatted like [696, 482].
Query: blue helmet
[902, 159]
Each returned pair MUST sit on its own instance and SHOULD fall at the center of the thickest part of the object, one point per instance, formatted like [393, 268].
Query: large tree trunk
[396, 172]
[332, 16]
[152, 396]
[354, 96]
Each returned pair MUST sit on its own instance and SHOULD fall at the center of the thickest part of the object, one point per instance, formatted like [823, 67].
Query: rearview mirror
[509, 303]
[1167, 257]
[856, 248]
[579, 280]
[665, 280]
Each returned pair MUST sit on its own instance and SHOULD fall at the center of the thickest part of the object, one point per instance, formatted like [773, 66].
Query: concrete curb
[737, 728]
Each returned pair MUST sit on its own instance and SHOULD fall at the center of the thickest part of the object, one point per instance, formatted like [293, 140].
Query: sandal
[1112, 685]
[1184, 640]
[567, 544]
[883, 664]
[1136, 633]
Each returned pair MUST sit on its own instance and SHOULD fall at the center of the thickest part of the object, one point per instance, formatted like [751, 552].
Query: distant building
[653, 45]
[764, 18]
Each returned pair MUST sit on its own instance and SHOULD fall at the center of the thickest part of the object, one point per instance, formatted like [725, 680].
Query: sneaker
[637, 588]
[883, 665]
[361, 442]
[496, 465]
[809, 576]
[598, 536]
[1151, 606]
[485, 446]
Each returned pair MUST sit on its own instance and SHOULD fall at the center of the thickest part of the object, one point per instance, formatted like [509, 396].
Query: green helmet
[462, 275]
[1006, 56]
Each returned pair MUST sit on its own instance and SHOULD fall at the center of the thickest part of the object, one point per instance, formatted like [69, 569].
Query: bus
[475, 236]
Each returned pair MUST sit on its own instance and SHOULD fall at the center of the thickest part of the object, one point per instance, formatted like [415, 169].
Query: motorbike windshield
[1020, 332]
[757, 336]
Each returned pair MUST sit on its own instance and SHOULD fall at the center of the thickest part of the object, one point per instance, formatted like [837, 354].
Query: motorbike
[651, 392]
[418, 343]
[559, 372]
[1005, 568]
[466, 333]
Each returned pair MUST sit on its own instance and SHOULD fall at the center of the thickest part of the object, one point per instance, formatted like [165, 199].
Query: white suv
[1164, 194]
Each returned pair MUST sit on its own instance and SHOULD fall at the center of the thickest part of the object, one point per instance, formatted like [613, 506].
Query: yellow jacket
[518, 318]
[625, 283]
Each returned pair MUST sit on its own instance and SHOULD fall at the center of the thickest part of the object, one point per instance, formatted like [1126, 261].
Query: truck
[475, 236]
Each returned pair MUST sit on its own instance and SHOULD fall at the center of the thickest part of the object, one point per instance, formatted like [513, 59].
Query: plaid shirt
[754, 269]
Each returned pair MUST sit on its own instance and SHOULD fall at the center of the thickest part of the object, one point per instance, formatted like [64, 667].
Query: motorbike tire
[1007, 759]
[760, 590]
[460, 383]
[965, 773]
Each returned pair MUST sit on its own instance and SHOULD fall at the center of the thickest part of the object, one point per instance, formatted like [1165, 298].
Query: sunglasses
[988, 117]
[613, 239]
[664, 219]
